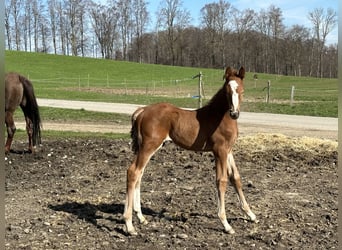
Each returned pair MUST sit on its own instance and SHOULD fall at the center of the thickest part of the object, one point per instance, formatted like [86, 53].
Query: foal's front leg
[221, 184]
[235, 179]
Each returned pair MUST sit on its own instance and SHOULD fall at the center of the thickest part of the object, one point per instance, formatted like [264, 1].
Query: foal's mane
[220, 101]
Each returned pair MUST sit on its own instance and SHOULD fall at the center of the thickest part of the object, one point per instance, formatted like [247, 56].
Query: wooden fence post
[292, 95]
[268, 87]
[200, 90]
[268, 90]
[255, 77]
[126, 91]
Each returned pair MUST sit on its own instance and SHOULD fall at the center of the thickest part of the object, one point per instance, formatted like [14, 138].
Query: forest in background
[119, 30]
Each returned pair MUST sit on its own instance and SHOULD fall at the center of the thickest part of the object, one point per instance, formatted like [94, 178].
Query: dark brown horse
[19, 92]
[211, 128]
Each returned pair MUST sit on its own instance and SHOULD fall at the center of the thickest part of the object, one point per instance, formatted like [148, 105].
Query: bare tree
[8, 24]
[244, 22]
[296, 37]
[62, 28]
[172, 16]
[323, 23]
[215, 20]
[104, 23]
[15, 9]
[53, 22]
[263, 27]
[276, 29]
[125, 24]
[27, 29]
[75, 17]
[269, 23]
[44, 32]
[36, 18]
[140, 21]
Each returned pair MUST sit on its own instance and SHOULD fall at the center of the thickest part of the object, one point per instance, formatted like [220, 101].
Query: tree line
[121, 30]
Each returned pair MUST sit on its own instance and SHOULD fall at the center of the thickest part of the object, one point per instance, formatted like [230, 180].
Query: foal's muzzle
[234, 114]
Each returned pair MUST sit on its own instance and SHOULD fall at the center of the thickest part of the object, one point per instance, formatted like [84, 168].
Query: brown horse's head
[234, 85]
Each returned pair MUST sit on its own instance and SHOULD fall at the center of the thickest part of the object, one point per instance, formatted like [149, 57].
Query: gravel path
[249, 123]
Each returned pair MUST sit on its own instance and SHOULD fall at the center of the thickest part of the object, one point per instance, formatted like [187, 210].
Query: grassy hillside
[40, 66]
[66, 77]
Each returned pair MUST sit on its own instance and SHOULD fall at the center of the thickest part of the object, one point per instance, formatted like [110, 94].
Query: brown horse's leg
[134, 176]
[29, 130]
[10, 130]
[221, 184]
[236, 181]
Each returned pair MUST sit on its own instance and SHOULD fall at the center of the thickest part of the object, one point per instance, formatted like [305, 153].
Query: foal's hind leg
[29, 130]
[134, 176]
[10, 130]
[235, 179]
[136, 201]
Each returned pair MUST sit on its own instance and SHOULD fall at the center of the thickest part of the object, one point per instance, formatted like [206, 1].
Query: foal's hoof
[230, 231]
[252, 217]
[132, 233]
[144, 222]
[255, 220]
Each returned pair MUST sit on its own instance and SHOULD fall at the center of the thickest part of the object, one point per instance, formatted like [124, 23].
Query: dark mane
[219, 101]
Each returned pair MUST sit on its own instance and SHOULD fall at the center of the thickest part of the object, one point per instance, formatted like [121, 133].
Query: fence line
[184, 87]
[292, 92]
[306, 90]
[100, 82]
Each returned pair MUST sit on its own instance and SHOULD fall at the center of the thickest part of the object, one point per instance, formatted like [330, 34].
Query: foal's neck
[219, 103]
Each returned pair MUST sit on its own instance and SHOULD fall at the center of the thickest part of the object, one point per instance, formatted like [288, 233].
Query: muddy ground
[70, 194]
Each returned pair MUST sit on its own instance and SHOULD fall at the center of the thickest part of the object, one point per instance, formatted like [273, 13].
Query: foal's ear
[229, 72]
[242, 73]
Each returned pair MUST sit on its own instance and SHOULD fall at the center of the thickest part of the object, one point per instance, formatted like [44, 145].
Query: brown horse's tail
[135, 131]
[31, 109]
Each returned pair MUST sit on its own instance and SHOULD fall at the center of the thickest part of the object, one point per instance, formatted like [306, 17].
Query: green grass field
[76, 78]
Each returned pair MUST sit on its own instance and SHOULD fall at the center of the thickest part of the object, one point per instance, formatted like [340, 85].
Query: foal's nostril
[234, 114]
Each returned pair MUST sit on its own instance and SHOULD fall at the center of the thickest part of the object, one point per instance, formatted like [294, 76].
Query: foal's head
[234, 85]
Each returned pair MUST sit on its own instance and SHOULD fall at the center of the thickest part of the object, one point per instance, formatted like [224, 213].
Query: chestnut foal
[211, 128]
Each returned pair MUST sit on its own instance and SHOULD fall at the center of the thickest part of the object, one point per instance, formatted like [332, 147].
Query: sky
[294, 11]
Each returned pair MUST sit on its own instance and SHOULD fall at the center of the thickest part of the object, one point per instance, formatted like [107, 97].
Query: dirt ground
[70, 195]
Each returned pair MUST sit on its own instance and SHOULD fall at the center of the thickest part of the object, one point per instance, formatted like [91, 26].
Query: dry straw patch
[265, 142]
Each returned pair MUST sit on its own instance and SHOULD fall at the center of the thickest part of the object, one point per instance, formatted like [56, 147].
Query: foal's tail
[31, 109]
[135, 130]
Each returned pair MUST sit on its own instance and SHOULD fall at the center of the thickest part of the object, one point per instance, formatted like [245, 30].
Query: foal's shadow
[92, 213]
[20, 151]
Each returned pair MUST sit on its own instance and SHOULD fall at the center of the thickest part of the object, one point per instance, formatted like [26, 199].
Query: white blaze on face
[235, 96]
